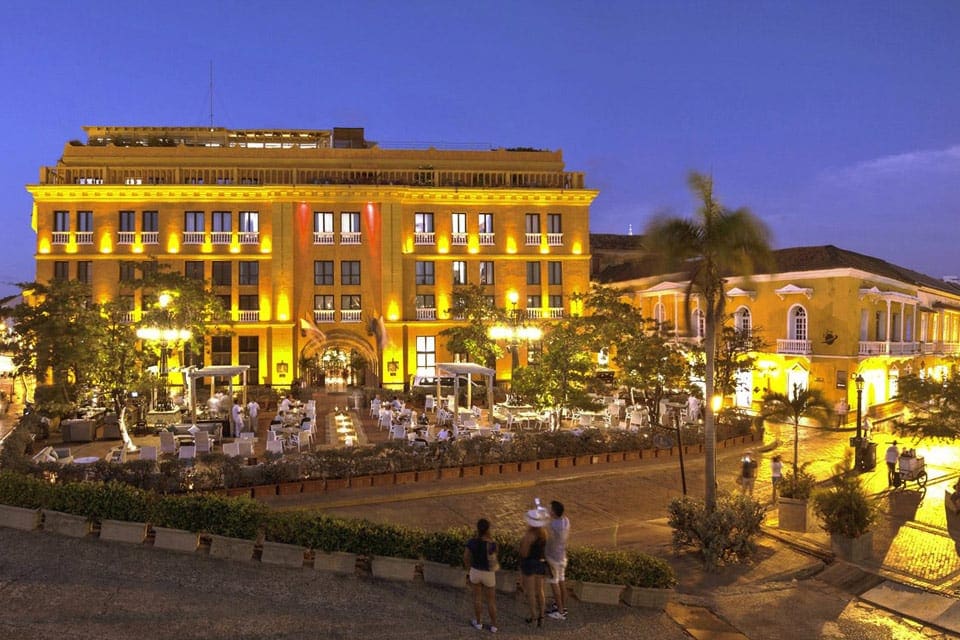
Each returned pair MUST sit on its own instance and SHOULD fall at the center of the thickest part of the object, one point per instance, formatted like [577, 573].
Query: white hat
[537, 517]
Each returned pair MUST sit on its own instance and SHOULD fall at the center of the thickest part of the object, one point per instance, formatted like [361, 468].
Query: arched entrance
[342, 359]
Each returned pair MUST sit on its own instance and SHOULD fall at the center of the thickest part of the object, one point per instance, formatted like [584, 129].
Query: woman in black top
[477, 556]
[533, 564]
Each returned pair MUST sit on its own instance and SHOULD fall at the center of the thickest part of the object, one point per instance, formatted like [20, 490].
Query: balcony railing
[350, 315]
[534, 313]
[150, 237]
[950, 347]
[323, 315]
[533, 239]
[802, 347]
[426, 314]
[248, 315]
[424, 237]
[129, 317]
[487, 239]
[881, 348]
[84, 237]
[249, 237]
[220, 237]
[193, 237]
[458, 239]
[61, 237]
[126, 237]
[555, 239]
[323, 237]
[539, 313]
[350, 237]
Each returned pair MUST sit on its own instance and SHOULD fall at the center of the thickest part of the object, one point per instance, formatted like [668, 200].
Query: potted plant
[846, 512]
[794, 504]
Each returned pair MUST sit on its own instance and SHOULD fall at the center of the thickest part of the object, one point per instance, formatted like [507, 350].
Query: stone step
[849, 577]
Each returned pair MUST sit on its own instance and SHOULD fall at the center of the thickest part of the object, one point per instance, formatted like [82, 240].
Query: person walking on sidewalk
[480, 556]
[533, 565]
[748, 473]
[776, 475]
[893, 454]
[556, 555]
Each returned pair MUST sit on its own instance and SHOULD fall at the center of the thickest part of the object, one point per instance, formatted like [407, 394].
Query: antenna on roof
[630, 229]
[211, 95]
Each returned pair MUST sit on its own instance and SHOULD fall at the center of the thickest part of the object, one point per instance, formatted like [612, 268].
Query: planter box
[583, 461]
[231, 548]
[234, 492]
[507, 581]
[449, 473]
[284, 555]
[598, 592]
[176, 539]
[474, 471]
[564, 462]
[443, 574]
[361, 482]
[643, 598]
[550, 463]
[338, 562]
[491, 470]
[264, 491]
[853, 549]
[66, 524]
[616, 456]
[384, 480]
[629, 456]
[405, 477]
[119, 531]
[509, 468]
[529, 466]
[290, 488]
[393, 568]
[19, 518]
[794, 514]
[335, 484]
[313, 486]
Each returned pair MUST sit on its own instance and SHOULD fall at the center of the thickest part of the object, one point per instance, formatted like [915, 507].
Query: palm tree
[802, 403]
[718, 244]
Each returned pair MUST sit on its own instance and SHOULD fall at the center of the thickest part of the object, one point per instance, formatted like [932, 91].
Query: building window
[323, 222]
[553, 223]
[459, 272]
[350, 222]
[61, 270]
[225, 301]
[249, 272]
[698, 323]
[458, 223]
[533, 272]
[350, 272]
[128, 271]
[220, 350]
[221, 273]
[250, 223]
[797, 329]
[222, 221]
[84, 221]
[323, 302]
[659, 315]
[425, 272]
[426, 355]
[193, 221]
[193, 269]
[423, 223]
[127, 222]
[534, 301]
[61, 221]
[486, 272]
[349, 302]
[248, 302]
[85, 271]
[426, 301]
[323, 273]
[556, 301]
[555, 273]
[533, 223]
[485, 222]
[249, 355]
[150, 222]
[742, 321]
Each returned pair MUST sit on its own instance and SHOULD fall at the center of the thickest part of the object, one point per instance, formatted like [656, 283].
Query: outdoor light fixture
[515, 332]
[163, 334]
[858, 441]
[393, 366]
[282, 369]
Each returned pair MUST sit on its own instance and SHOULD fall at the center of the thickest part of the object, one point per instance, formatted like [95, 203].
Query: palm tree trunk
[709, 425]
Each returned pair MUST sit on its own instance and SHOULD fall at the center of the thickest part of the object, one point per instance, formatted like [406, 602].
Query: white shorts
[486, 578]
[557, 570]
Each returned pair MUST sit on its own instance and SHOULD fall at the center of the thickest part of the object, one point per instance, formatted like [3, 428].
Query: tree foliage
[934, 407]
[472, 304]
[562, 375]
[802, 403]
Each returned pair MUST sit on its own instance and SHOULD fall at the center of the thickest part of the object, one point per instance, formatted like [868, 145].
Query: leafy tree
[717, 244]
[563, 372]
[803, 403]
[934, 407]
[736, 353]
[472, 304]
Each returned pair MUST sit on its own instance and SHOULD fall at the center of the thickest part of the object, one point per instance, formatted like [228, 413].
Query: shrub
[845, 509]
[19, 490]
[723, 536]
[446, 546]
[799, 487]
[619, 567]
[232, 517]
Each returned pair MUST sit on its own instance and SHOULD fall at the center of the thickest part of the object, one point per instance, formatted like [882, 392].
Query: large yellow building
[320, 243]
[826, 315]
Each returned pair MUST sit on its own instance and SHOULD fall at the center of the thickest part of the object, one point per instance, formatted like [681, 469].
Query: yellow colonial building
[826, 316]
[322, 244]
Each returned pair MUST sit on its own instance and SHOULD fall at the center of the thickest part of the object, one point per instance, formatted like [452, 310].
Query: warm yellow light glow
[513, 297]
[266, 244]
[577, 248]
[137, 248]
[511, 244]
[173, 243]
[234, 247]
[443, 306]
[408, 245]
[716, 403]
[33, 217]
[283, 307]
[166, 335]
[544, 247]
[473, 243]
[164, 299]
[393, 311]
[106, 243]
[71, 245]
[44, 246]
[206, 247]
[443, 244]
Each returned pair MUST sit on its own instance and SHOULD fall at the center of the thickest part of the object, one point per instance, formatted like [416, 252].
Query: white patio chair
[231, 449]
[187, 453]
[385, 420]
[374, 408]
[148, 452]
[202, 442]
[248, 435]
[245, 448]
[168, 444]
[429, 404]
[275, 446]
[306, 437]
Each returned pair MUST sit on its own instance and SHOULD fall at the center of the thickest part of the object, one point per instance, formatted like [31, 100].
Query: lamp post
[163, 336]
[514, 332]
[858, 447]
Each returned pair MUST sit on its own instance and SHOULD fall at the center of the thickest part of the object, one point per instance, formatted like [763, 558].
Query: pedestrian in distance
[776, 475]
[480, 557]
[748, 473]
[533, 564]
[236, 417]
[556, 556]
[892, 455]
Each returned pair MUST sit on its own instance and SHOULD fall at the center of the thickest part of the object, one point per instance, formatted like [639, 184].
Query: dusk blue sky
[836, 122]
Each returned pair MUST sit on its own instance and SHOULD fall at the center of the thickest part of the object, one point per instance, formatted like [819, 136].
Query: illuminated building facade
[826, 315]
[318, 242]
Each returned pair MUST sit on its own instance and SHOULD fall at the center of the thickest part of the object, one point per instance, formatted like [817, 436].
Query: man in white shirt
[556, 556]
[893, 454]
[253, 410]
[285, 405]
[236, 418]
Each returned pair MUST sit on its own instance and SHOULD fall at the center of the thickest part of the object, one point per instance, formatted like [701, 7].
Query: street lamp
[515, 332]
[858, 447]
[163, 336]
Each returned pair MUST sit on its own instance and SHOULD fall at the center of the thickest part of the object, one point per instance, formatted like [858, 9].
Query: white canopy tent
[468, 369]
[214, 372]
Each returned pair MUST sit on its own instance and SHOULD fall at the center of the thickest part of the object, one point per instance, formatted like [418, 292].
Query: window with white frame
[127, 222]
[485, 221]
[486, 272]
[743, 321]
[459, 272]
[61, 221]
[423, 222]
[659, 314]
[323, 302]
[532, 223]
[555, 272]
[193, 221]
[458, 223]
[534, 301]
[249, 222]
[425, 272]
[151, 221]
[323, 273]
[84, 221]
[698, 323]
[533, 272]
[323, 222]
[554, 223]
[426, 355]
[222, 221]
[797, 329]
[350, 272]
[349, 302]
[350, 222]
[426, 301]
